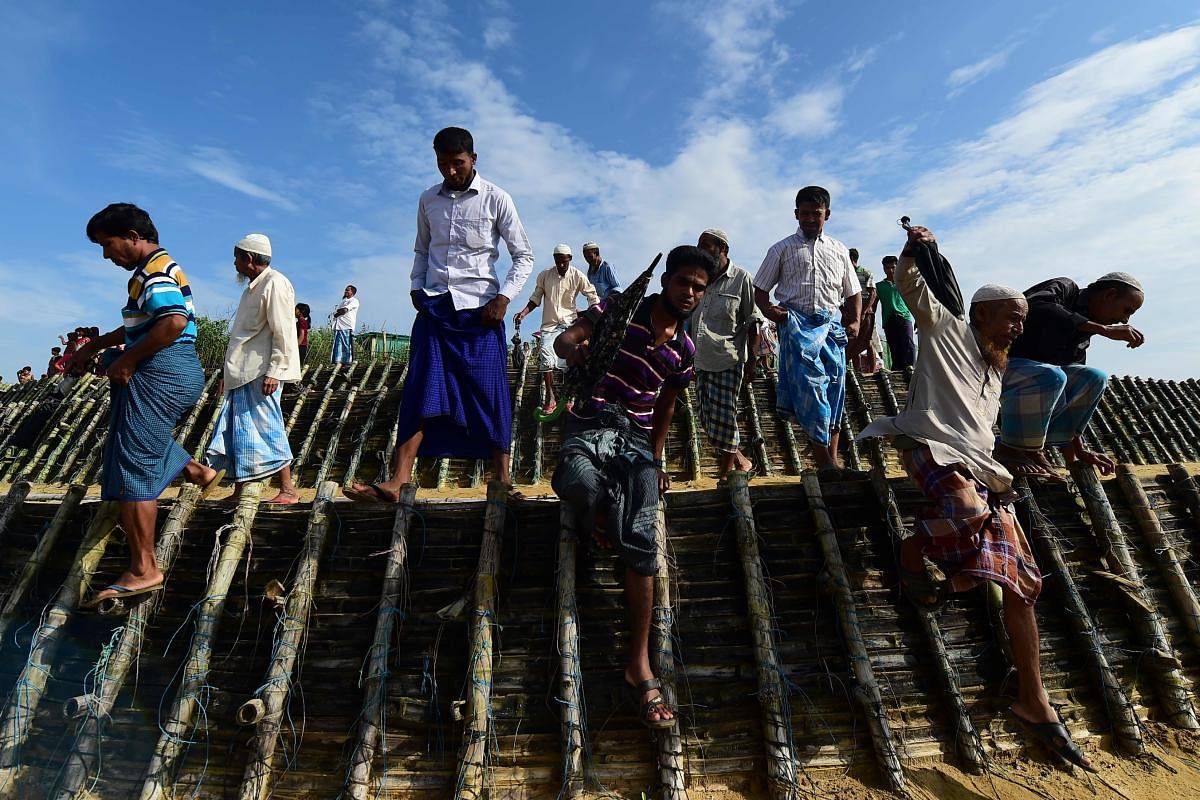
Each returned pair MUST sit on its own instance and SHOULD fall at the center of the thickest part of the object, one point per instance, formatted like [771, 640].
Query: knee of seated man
[1094, 376]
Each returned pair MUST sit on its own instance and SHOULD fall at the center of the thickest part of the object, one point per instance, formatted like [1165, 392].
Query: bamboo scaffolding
[10, 506]
[757, 441]
[111, 671]
[73, 421]
[26, 407]
[671, 772]
[392, 602]
[381, 394]
[473, 761]
[570, 673]
[1159, 397]
[772, 691]
[95, 453]
[692, 431]
[46, 542]
[189, 422]
[1127, 732]
[174, 730]
[1152, 446]
[1187, 487]
[332, 445]
[1166, 435]
[266, 710]
[1173, 690]
[302, 397]
[30, 687]
[1164, 552]
[790, 448]
[49, 431]
[1135, 449]
[309, 438]
[1178, 410]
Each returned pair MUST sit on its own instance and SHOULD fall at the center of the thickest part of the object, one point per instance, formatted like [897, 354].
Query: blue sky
[1036, 139]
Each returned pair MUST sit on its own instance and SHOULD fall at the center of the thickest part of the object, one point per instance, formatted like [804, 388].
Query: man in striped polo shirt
[611, 462]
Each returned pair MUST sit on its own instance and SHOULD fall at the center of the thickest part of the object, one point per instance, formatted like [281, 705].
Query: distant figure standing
[303, 326]
[600, 273]
[345, 318]
[866, 346]
[897, 319]
[55, 365]
[25, 374]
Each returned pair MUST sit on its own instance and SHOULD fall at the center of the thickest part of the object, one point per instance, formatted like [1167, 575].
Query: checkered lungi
[1042, 403]
[250, 440]
[967, 537]
[717, 393]
[547, 358]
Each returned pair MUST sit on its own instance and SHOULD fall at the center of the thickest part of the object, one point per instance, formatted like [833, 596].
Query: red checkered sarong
[965, 535]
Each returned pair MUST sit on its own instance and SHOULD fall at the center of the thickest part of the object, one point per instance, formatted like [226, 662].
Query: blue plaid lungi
[457, 385]
[812, 372]
[1044, 404]
[140, 456]
[250, 440]
[343, 347]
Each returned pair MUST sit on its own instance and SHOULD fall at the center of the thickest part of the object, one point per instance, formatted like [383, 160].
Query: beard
[995, 354]
[241, 279]
[675, 311]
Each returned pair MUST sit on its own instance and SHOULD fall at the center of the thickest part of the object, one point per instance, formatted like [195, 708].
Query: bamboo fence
[381, 393]
[671, 770]
[570, 673]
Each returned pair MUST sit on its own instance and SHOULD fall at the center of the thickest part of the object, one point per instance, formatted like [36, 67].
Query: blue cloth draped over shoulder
[812, 372]
[140, 456]
[457, 384]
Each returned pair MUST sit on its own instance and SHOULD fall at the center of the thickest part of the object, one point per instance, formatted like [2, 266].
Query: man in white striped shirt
[818, 301]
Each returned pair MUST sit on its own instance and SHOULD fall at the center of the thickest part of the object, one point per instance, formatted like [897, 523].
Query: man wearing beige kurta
[250, 441]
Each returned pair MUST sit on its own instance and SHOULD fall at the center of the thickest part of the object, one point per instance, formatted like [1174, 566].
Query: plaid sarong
[1044, 404]
[966, 536]
[812, 372]
[717, 393]
[250, 440]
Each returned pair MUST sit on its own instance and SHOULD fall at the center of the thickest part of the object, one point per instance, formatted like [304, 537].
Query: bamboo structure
[46, 542]
[311, 436]
[266, 710]
[73, 421]
[10, 506]
[1188, 488]
[1177, 410]
[570, 673]
[671, 771]
[157, 779]
[1158, 453]
[206, 434]
[518, 396]
[27, 695]
[1136, 449]
[1100, 429]
[112, 670]
[392, 602]
[757, 441]
[1127, 731]
[1164, 552]
[1173, 689]
[473, 761]
[335, 438]
[302, 397]
[790, 447]
[381, 393]
[49, 431]
[189, 422]
[1152, 406]
[692, 430]
[772, 689]
[538, 428]
[25, 407]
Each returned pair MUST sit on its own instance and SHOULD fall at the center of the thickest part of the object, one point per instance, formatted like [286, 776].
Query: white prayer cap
[994, 291]
[1121, 277]
[590, 246]
[717, 233]
[562, 250]
[257, 243]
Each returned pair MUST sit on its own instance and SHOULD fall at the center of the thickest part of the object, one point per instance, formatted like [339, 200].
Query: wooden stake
[381, 393]
[570, 673]
[662, 653]
[332, 445]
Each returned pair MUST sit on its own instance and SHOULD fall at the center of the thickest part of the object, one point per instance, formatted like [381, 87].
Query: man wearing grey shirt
[456, 399]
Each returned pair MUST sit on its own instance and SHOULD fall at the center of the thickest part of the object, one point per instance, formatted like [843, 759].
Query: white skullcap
[257, 243]
[562, 250]
[994, 291]
[590, 246]
[1121, 277]
[717, 233]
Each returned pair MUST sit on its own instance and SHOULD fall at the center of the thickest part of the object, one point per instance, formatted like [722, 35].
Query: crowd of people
[807, 309]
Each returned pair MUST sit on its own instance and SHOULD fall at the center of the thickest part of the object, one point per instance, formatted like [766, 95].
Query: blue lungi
[250, 441]
[140, 456]
[1044, 404]
[812, 372]
[343, 347]
[457, 384]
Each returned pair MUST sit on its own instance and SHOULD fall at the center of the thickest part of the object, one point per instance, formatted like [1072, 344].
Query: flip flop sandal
[211, 486]
[1055, 737]
[372, 494]
[651, 705]
[121, 593]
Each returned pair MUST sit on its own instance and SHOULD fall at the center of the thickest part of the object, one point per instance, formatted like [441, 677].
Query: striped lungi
[966, 536]
[250, 440]
[140, 456]
[717, 393]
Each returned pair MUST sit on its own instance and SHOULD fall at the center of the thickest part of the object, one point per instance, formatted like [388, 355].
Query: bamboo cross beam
[570, 673]
[111, 671]
[1187, 487]
[473, 761]
[26, 696]
[332, 446]
[1157, 398]
[266, 711]
[671, 772]
[11, 505]
[392, 603]
[174, 729]
[33, 566]
[772, 690]
[381, 393]
[790, 448]
[1172, 688]
[1164, 552]
[1127, 731]
[73, 421]
[692, 430]
[311, 436]
[757, 440]
[518, 395]
[49, 431]
[189, 422]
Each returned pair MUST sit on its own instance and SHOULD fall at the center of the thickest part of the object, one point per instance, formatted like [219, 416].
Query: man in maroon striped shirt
[611, 463]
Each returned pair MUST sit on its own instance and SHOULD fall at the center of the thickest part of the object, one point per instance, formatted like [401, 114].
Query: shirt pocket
[477, 233]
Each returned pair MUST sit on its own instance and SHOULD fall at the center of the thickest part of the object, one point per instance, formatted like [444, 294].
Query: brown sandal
[652, 705]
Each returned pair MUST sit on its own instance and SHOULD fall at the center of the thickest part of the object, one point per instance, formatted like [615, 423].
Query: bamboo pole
[1178, 411]
[302, 397]
[1102, 430]
[518, 395]
[1172, 687]
[26, 407]
[189, 421]
[265, 711]
[33, 566]
[772, 690]
[49, 430]
[206, 434]
[27, 694]
[332, 446]
[15, 402]
[11, 505]
[757, 440]
[392, 602]
[671, 772]
[1137, 453]
[890, 404]
[1152, 446]
[94, 455]
[393, 431]
[111, 671]
[381, 393]
[1148, 409]
[570, 673]
[1186, 410]
[311, 436]
[157, 778]
[692, 430]
[1157, 399]
[790, 448]
[1164, 552]
[538, 456]
[473, 762]
[73, 421]
[1189, 488]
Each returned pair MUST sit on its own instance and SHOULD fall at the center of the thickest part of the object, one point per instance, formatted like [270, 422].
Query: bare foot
[1027, 463]
[129, 582]
[286, 497]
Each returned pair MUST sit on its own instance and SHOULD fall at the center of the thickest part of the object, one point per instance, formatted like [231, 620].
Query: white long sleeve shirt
[262, 336]
[458, 234]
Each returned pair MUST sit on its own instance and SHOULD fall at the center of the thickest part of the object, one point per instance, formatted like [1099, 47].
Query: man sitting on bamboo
[611, 463]
[945, 438]
[250, 441]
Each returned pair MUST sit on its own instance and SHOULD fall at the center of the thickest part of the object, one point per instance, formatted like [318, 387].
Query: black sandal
[1055, 737]
[917, 586]
[652, 705]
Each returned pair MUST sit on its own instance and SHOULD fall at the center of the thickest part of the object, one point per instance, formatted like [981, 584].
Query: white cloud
[966, 75]
[810, 114]
[220, 167]
[498, 33]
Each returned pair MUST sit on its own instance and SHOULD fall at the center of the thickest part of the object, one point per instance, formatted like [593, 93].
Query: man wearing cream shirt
[250, 441]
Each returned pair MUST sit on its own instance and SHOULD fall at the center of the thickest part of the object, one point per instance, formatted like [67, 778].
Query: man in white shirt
[814, 282]
[345, 319]
[250, 439]
[561, 286]
[456, 398]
